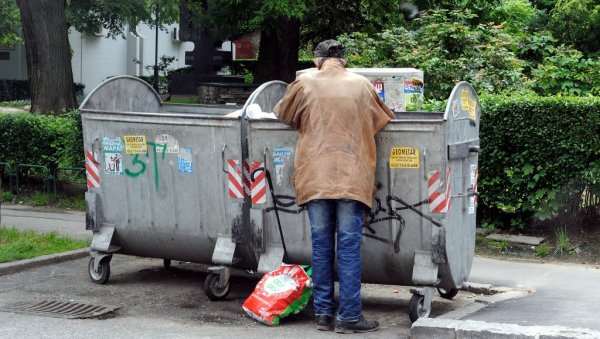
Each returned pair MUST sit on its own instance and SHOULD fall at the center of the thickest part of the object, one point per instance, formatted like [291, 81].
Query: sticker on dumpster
[455, 109]
[113, 155]
[281, 155]
[439, 202]
[114, 144]
[236, 190]
[168, 141]
[259, 185]
[91, 171]
[395, 94]
[379, 89]
[185, 161]
[113, 163]
[473, 187]
[404, 157]
[135, 144]
[468, 104]
[413, 94]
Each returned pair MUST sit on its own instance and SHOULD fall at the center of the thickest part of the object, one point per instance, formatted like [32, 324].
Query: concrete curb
[436, 328]
[21, 265]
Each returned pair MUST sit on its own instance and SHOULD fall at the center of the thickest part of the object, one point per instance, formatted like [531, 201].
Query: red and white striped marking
[259, 186]
[247, 181]
[439, 202]
[236, 189]
[91, 170]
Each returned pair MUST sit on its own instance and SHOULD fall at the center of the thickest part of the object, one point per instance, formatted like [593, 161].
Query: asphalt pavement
[535, 299]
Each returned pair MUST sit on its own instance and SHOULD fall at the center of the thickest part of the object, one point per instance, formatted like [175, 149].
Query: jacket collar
[332, 65]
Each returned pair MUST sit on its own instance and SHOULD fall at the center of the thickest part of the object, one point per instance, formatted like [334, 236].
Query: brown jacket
[337, 114]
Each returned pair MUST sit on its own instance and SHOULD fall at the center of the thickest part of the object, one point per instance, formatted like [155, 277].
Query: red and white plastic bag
[279, 293]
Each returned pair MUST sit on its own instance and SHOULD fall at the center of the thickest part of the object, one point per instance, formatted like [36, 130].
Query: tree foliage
[447, 48]
[87, 16]
[9, 23]
[577, 23]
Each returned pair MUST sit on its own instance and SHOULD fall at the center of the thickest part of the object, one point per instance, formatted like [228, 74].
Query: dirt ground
[583, 246]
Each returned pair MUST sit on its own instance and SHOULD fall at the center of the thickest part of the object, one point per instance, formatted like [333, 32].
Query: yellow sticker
[404, 157]
[464, 99]
[135, 144]
[472, 109]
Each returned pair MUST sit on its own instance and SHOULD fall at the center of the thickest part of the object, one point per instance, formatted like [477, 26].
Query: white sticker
[113, 163]
[169, 141]
[473, 188]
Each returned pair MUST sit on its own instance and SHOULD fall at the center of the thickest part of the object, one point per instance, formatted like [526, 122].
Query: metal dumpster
[421, 229]
[161, 180]
[173, 182]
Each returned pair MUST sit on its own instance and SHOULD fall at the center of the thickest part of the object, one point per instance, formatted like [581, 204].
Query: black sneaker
[324, 323]
[360, 326]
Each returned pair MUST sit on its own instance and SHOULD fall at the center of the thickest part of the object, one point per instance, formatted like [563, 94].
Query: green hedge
[536, 152]
[13, 90]
[51, 141]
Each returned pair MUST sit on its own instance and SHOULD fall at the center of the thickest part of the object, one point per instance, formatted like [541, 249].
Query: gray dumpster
[421, 229]
[174, 182]
[162, 180]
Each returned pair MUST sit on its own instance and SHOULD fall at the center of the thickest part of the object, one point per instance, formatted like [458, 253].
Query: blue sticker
[281, 155]
[184, 161]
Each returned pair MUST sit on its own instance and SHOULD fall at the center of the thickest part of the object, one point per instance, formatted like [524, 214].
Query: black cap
[330, 49]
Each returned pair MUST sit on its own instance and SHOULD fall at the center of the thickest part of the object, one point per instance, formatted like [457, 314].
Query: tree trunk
[278, 52]
[48, 55]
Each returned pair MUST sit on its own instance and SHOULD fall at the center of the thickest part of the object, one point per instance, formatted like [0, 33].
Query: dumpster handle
[274, 198]
[223, 158]
[425, 163]
[265, 156]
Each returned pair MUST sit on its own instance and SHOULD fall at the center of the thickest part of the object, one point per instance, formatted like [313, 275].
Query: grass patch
[18, 245]
[563, 242]
[542, 251]
[482, 243]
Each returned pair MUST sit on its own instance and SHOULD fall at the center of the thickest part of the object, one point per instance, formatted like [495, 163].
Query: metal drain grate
[59, 309]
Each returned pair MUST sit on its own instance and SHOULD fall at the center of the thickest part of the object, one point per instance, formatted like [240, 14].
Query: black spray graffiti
[378, 213]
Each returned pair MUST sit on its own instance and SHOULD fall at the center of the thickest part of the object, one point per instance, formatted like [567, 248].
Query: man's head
[329, 49]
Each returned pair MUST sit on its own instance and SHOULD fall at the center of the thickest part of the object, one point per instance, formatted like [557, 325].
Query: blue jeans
[346, 217]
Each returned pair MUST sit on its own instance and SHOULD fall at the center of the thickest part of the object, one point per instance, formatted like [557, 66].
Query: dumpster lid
[123, 93]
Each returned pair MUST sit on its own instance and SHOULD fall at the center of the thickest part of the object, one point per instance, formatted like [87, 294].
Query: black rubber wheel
[167, 263]
[447, 294]
[101, 276]
[416, 308]
[212, 290]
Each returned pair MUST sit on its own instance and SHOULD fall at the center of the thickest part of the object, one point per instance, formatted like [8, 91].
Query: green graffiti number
[136, 161]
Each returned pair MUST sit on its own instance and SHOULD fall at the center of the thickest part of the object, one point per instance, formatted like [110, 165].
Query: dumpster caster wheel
[447, 294]
[167, 263]
[417, 309]
[212, 289]
[102, 274]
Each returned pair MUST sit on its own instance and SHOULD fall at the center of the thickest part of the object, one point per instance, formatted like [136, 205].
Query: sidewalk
[560, 299]
[44, 220]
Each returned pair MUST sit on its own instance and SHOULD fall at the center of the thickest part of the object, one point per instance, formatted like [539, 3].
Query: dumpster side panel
[399, 223]
[170, 197]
